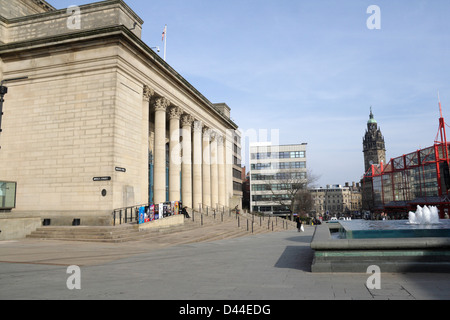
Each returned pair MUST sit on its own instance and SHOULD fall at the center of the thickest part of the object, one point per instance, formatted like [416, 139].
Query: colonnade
[196, 151]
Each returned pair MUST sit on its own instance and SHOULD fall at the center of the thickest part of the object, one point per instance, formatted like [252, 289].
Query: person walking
[300, 225]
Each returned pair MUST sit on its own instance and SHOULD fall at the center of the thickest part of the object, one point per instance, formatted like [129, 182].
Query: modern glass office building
[275, 171]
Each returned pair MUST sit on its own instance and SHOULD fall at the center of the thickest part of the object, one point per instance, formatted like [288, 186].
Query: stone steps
[210, 228]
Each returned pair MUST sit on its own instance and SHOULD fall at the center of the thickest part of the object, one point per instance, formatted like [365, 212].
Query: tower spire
[371, 118]
[373, 144]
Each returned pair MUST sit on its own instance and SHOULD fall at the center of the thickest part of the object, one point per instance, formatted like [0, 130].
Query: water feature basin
[389, 229]
[421, 244]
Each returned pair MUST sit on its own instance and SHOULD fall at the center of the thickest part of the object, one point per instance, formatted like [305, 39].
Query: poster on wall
[161, 210]
[156, 211]
[151, 212]
[167, 209]
[141, 215]
[175, 207]
[147, 214]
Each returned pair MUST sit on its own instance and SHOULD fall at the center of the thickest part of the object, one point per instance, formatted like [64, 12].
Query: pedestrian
[299, 225]
[185, 213]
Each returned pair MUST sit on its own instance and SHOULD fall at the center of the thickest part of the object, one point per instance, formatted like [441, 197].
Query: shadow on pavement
[300, 238]
[296, 257]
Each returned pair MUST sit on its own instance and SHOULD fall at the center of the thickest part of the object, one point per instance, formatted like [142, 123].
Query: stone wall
[91, 16]
[17, 228]
[58, 129]
[21, 8]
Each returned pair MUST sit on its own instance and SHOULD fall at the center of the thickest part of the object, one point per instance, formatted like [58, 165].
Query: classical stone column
[186, 160]
[147, 95]
[160, 150]
[214, 172]
[228, 168]
[206, 167]
[222, 168]
[174, 154]
[197, 192]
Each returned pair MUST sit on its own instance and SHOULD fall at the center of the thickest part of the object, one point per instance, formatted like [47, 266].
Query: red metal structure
[418, 178]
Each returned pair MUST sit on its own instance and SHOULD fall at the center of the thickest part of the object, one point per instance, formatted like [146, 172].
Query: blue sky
[312, 69]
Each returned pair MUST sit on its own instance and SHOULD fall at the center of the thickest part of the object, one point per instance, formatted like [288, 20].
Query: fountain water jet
[424, 216]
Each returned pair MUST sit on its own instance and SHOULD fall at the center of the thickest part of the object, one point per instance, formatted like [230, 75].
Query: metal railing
[248, 220]
[244, 220]
[126, 215]
[131, 214]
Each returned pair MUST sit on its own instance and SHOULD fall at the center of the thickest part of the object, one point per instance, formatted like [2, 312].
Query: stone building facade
[97, 106]
[337, 200]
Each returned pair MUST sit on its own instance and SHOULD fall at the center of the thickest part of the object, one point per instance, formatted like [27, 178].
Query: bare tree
[290, 189]
[303, 202]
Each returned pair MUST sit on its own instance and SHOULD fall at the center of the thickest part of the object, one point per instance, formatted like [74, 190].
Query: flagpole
[165, 41]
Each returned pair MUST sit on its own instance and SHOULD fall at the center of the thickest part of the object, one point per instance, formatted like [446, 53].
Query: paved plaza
[274, 266]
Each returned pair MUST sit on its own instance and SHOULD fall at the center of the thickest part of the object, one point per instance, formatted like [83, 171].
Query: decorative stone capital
[213, 136]
[198, 126]
[206, 132]
[175, 113]
[187, 120]
[220, 139]
[162, 104]
[148, 93]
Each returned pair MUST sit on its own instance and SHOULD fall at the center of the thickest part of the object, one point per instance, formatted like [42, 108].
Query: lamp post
[3, 92]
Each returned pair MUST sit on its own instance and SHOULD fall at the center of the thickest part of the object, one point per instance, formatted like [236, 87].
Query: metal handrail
[131, 214]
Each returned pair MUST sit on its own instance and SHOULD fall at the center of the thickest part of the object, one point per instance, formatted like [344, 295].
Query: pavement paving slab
[272, 266]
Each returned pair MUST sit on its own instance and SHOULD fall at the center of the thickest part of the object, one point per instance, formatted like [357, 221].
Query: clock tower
[373, 144]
